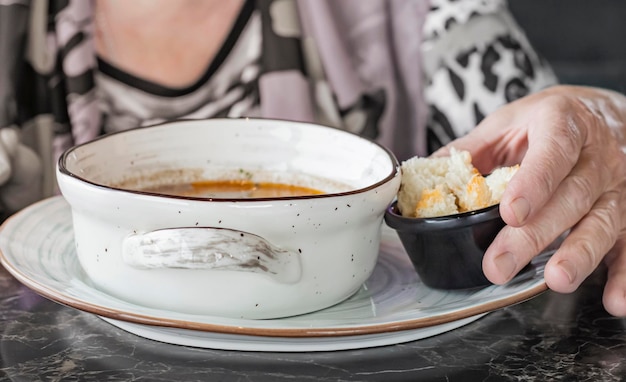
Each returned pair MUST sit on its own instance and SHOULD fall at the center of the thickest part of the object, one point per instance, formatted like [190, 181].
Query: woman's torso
[163, 60]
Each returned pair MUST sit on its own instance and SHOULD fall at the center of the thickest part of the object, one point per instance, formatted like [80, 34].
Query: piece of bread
[438, 201]
[448, 185]
[498, 180]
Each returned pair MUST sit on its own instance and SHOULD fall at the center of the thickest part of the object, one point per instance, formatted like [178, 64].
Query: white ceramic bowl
[251, 258]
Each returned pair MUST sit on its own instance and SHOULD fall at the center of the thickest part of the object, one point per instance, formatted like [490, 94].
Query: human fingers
[593, 216]
[545, 133]
[585, 246]
[614, 297]
[588, 198]
[556, 138]
[500, 139]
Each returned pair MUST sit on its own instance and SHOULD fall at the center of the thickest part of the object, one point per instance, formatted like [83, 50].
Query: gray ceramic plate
[393, 306]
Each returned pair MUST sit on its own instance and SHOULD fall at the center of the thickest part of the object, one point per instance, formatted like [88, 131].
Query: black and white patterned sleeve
[476, 58]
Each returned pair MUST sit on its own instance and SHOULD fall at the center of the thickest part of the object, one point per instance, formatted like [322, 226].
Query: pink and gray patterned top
[412, 74]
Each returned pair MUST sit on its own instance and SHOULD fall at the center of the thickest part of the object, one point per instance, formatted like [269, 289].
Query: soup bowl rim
[62, 168]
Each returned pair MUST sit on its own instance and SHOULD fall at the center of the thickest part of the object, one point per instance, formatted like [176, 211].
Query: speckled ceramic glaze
[392, 306]
[250, 258]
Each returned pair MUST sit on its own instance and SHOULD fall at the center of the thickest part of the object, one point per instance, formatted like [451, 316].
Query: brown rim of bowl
[394, 161]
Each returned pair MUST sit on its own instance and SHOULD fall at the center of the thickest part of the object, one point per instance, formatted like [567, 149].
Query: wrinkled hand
[569, 142]
[20, 173]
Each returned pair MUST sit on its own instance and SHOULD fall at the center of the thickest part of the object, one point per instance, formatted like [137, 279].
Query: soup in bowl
[245, 218]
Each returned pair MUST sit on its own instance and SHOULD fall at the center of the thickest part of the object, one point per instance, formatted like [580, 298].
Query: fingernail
[506, 264]
[521, 209]
[568, 268]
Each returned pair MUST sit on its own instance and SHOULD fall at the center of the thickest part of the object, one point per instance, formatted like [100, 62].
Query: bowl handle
[211, 248]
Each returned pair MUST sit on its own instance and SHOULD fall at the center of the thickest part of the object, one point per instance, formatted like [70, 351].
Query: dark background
[584, 40]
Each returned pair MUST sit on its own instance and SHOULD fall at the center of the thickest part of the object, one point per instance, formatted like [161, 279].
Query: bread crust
[448, 185]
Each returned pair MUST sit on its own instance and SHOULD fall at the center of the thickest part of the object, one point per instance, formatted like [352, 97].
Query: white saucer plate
[393, 306]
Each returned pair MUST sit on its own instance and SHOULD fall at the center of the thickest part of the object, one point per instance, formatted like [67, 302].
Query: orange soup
[234, 189]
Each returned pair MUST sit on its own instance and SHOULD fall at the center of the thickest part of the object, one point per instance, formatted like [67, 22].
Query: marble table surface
[551, 337]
